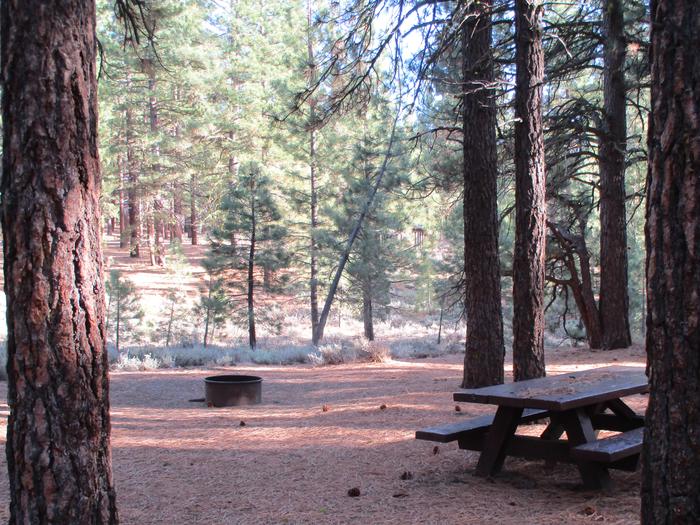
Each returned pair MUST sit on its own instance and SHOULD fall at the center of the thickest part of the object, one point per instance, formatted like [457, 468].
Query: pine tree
[123, 308]
[58, 432]
[250, 237]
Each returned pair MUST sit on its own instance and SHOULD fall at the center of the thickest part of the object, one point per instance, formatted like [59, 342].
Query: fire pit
[232, 390]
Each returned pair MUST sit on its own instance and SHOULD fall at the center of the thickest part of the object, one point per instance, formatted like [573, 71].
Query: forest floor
[177, 462]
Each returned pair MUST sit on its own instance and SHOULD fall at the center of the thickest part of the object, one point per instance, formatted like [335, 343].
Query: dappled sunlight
[322, 430]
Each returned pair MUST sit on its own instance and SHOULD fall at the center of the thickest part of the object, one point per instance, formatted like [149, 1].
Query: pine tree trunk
[581, 286]
[484, 352]
[176, 231]
[123, 226]
[159, 224]
[313, 247]
[530, 202]
[193, 211]
[367, 318]
[614, 301]
[133, 192]
[150, 231]
[671, 458]
[252, 340]
[58, 434]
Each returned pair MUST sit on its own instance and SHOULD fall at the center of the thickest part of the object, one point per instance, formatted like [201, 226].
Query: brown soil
[177, 462]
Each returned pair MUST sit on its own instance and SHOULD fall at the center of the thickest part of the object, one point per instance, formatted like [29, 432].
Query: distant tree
[58, 432]
[250, 237]
[173, 319]
[213, 305]
[123, 307]
[378, 253]
[670, 457]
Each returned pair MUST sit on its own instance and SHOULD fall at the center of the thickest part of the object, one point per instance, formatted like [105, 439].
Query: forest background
[236, 164]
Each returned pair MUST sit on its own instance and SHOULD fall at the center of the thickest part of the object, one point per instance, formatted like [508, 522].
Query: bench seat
[453, 431]
[611, 449]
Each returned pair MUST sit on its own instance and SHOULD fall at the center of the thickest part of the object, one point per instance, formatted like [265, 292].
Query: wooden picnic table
[577, 403]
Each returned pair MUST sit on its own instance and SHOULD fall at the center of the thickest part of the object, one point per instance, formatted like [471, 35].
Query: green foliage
[213, 306]
[123, 308]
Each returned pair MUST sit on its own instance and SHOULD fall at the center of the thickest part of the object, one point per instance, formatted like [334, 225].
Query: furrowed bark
[58, 434]
[614, 300]
[484, 352]
[530, 202]
[671, 453]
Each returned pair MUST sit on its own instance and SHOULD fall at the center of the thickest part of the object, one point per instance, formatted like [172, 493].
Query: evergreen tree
[123, 308]
[378, 252]
[250, 238]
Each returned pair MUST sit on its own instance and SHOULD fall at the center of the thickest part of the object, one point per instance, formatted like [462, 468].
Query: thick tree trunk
[671, 454]
[58, 434]
[614, 301]
[367, 317]
[193, 211]
[484, 352]
[530, 202]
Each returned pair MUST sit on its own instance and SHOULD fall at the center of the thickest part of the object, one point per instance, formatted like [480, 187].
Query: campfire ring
[232, 390]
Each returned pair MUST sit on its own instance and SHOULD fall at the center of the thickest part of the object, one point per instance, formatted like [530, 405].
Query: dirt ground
[177, 462]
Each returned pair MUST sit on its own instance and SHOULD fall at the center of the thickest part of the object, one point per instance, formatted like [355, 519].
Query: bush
[331, 354]
[374, 352]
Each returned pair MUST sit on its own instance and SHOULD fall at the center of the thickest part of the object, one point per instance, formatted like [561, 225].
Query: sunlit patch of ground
[177, 462]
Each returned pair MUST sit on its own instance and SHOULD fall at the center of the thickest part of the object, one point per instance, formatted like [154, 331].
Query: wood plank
[496, 440]
[453, 431]
[615, 422]
[564, 391]
[610, 449]
[579, 430]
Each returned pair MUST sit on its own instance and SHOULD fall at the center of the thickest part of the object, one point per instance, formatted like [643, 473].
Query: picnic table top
[564, 391]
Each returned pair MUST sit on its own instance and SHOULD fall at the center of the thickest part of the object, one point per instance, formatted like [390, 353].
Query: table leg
[496, 440]
[579, 430]
[620, 408]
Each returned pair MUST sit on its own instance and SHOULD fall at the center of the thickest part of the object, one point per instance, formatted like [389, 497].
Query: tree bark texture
[58, 434]
[530, 202]
[614, 300]
[484, 352]
[671, 454]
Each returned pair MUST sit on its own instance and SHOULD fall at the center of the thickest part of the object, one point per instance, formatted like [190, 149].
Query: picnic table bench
[577, 404]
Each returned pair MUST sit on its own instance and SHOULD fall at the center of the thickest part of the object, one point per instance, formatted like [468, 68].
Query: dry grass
[177, 462]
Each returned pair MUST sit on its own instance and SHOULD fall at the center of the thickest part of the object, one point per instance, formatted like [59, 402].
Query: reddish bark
[58, 437]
